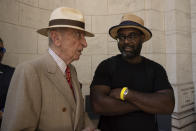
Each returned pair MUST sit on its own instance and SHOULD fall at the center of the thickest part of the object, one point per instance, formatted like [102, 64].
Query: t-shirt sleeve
[161, 79]
[101, 76]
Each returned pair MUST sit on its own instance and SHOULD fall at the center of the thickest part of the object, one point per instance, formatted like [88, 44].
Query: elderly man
[6, 73]
[131, 88]
[45, 93]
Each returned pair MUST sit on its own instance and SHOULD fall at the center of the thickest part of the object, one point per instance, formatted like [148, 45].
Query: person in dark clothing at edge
[6, 73]
[128, 90]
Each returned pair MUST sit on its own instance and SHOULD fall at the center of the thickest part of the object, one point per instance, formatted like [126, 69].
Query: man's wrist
[123, 93]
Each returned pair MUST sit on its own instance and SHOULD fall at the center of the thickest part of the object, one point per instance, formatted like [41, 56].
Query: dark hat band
[66, 22]
[125, 23]
[132, 23]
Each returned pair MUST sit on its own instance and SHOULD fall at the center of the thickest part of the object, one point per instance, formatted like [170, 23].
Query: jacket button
[64, 109]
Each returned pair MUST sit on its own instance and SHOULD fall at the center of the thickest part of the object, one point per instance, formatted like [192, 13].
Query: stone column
[179, 62]
[193, 30]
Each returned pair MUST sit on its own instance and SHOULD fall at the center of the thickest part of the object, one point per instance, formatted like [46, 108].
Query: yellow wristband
[122, 93]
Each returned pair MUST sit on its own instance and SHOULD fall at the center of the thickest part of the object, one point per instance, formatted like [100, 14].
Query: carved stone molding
[184, 97]
[183, 118]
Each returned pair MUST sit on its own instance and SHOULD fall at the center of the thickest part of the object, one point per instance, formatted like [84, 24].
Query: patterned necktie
[68, 77]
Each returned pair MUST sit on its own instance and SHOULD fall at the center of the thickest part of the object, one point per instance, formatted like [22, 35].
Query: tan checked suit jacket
[39, 98]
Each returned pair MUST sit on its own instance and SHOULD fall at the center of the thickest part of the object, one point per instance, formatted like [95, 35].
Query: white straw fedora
[66, 17]
[130, 21]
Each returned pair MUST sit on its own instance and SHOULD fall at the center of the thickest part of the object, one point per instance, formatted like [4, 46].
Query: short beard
[130, 55]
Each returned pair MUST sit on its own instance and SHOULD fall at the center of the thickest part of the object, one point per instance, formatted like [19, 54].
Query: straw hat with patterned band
[130, 21]
[66, 17]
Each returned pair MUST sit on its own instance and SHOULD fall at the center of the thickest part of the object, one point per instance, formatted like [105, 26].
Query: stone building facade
[173, 45]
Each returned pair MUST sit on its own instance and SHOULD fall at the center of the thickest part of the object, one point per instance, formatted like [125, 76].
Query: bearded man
[128, 90]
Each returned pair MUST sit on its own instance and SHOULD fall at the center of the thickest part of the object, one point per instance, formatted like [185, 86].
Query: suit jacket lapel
[57, 77]
[60, 82]
[79, 101]
[78, 105]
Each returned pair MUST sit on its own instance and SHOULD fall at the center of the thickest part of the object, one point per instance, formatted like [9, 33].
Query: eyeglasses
[2, 50]
[130, 37]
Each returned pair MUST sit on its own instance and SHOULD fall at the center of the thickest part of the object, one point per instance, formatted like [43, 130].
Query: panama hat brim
[44, 31]
[113, 31]
[65, 17]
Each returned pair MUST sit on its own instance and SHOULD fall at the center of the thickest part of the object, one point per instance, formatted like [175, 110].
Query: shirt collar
[61, 64]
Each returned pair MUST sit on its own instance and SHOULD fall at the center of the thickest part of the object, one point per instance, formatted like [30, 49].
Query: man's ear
[56, 37]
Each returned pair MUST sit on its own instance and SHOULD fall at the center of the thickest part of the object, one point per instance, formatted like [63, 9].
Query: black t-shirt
[146, 76]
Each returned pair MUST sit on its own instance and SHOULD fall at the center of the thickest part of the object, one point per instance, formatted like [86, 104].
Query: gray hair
[50, 41]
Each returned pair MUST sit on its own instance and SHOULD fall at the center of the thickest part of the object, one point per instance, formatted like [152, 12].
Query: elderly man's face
[72, 44]
[130, 42]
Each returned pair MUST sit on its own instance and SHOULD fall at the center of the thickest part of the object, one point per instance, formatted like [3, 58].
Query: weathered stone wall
[173, 44]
